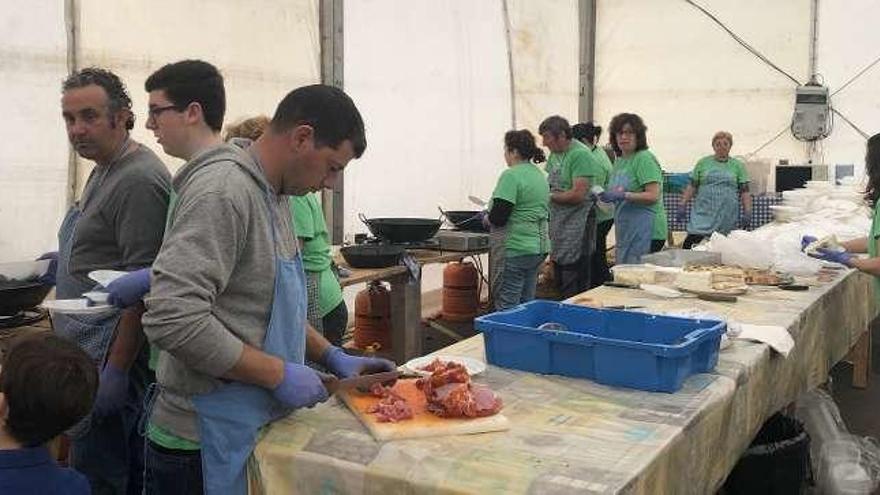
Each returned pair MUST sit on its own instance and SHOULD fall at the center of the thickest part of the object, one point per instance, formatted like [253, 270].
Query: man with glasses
[117, 224]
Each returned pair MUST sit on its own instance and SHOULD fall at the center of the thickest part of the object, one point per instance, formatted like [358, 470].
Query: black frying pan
[372, 255]
[467, 220]
[402, 230]
[17, 296]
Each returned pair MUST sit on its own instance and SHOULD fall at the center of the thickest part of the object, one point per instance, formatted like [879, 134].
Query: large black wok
[402, 230]
[372, 255]
[16, 296]
[467, 220]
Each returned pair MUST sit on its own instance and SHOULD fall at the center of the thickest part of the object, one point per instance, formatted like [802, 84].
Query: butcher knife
[362, 382]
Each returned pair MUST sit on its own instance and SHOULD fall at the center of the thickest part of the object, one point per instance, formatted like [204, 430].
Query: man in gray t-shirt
[118, 224]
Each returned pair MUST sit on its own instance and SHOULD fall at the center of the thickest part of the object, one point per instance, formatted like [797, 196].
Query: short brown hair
[49, 384]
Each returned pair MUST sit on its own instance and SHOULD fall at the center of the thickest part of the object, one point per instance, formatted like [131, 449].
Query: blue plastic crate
[637, 350]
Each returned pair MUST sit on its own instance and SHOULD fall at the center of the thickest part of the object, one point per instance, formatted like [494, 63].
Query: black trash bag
[777, 462]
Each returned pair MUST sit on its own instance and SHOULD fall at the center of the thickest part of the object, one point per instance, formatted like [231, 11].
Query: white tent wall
[431, 80]
[544, 42]
[263, 48]
[848, 43]
[687, 78]
[34, 161]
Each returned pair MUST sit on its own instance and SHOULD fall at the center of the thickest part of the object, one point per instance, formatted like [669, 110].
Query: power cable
[853, 78]
[842, 116]
[768, 143]
[742, 41]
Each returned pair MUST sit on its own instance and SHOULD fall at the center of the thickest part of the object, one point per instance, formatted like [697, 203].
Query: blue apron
[633, 225]
[716, 208]
[231, 416]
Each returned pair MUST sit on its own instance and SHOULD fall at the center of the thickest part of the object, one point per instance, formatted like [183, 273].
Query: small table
[406, 296]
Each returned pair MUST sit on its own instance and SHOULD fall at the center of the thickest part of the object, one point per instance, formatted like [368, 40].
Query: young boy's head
[47, 384]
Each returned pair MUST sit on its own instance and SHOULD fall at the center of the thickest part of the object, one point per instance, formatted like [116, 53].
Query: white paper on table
[776, 337]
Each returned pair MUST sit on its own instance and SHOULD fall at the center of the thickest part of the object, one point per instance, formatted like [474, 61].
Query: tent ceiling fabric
[33, 163]
[687, 78]
[432, 83]
[263, 48]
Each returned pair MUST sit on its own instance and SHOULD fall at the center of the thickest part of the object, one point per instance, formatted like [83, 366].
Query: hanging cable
[768, 143]
[853, 78]
[842, 116]
[741, 41]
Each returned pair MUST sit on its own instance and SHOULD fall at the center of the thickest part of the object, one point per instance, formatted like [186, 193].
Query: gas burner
[22, 318]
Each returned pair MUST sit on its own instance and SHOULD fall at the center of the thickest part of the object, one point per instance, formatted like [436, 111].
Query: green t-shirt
[524, 185]
[634, 173]
[309, 225]
[602, 157]
[577, 161]
[164, 438]
[707, 163]
[872, 249]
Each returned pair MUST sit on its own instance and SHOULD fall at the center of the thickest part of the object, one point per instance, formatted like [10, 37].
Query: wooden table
[406, 296]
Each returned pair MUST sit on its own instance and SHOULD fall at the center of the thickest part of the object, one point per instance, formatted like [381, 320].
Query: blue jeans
[172, 472]
[518, 280]
[110, 453]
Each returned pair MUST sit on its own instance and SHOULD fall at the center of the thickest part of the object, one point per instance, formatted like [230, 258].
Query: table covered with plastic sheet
[576, 436]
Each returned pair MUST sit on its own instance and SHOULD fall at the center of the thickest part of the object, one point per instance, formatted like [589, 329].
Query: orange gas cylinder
[461, 297]
[372, 317]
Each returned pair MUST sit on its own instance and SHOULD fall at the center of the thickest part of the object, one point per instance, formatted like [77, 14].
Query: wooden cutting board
[423, 424]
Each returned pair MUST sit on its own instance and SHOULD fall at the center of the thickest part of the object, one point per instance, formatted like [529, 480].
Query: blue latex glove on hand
[129, 288]
[112, 391]
[345, 365]
[300, 387]
[484, 219]
[681, 213]
[806, 241]
[48, 278]
[612, 196]
[842, 257]
[746, 220]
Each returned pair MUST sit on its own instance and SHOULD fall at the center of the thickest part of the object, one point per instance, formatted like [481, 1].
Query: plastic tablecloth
[576, 436]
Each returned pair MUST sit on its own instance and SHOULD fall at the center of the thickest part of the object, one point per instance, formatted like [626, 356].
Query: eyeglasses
[154, 112]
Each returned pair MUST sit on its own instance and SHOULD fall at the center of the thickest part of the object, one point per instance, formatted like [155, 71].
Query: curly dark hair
[586, 130]
[872, 168]
[636, 123]
[524, 144]
[117, 96]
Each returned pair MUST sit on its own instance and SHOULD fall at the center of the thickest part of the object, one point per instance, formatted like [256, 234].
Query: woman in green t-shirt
[588, 133]
[720, 182]
[635, 189]
[869, 244]
[518, 215]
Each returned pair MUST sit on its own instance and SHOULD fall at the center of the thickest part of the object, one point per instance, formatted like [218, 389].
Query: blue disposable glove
[681, 213]
[48, 278]
[300, 387]
[806, 241]
[484, 219]
[842, 257]
[112, 391]
[746, 220]
[129, 288]
[345, 365]
[612, 196]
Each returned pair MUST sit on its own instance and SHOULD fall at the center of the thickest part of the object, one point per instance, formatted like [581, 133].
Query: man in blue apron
[227, 307]
[118, 225]
[571, 170]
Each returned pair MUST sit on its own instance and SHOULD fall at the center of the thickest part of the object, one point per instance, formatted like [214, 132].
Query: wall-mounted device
[811, 119]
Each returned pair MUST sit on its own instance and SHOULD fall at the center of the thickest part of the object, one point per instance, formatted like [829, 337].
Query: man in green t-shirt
[571, 170]
[327, 311]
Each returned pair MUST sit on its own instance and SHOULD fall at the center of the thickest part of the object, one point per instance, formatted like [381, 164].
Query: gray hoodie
[213, 279]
